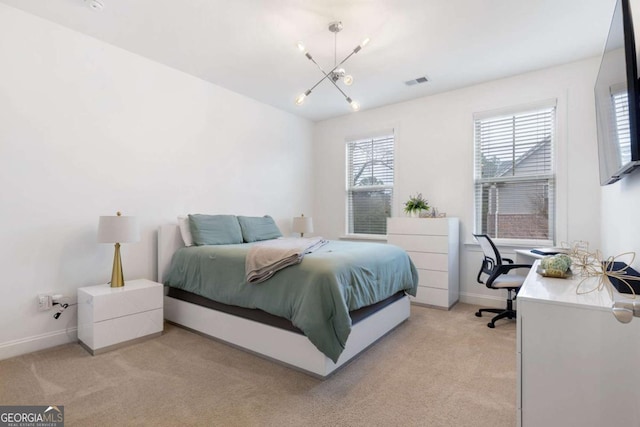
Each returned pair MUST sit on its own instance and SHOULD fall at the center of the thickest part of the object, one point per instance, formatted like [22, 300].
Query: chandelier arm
[341, 91]
[326, 75]
[334, 68]
[344, 60]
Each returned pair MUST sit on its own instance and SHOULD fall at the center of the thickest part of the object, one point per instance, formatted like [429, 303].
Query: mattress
[261, 316]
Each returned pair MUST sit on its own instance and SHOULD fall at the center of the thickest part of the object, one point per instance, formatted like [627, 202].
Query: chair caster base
[491, 325]
[478, 314]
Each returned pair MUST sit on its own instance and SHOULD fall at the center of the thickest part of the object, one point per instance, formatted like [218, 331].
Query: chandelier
[337, 73]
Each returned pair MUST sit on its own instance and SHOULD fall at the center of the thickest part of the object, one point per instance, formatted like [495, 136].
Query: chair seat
[508, 281]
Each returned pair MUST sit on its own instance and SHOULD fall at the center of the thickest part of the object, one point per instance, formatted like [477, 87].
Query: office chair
[493, 266]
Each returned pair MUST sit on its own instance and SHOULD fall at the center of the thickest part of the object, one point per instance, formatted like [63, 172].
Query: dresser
[576, 364]
[111, 317]
[432, 244]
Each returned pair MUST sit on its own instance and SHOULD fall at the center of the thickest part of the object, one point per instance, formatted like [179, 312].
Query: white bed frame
[267, 341]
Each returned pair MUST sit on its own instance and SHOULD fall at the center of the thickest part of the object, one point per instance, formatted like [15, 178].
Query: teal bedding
[315, 295]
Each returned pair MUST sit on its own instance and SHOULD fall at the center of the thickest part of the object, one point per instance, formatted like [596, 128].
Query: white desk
[576, 364]
[525, 256]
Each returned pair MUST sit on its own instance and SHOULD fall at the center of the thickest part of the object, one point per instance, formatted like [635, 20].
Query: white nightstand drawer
[123, 329]
[134, 297]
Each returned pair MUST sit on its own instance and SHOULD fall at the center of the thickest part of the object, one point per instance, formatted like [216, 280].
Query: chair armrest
[503, 269]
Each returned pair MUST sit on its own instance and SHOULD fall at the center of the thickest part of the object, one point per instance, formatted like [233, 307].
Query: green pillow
[256, 228]
[215, 229]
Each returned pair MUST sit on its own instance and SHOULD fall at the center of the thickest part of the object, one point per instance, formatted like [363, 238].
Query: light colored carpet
[438, 369]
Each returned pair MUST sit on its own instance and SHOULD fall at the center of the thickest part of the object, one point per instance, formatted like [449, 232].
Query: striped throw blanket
[266, 258]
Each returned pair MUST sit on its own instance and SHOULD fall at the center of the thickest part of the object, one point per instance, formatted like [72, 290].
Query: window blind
[621, 111]
[370, 176]
[514, 175]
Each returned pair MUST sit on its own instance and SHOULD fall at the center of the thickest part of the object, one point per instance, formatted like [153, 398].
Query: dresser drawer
[432, 296]
[418, 243]
[430, 261]
[428, 226]
[433, 279]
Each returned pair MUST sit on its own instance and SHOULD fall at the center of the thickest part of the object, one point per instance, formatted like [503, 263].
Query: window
[514, 176]
[369, 184]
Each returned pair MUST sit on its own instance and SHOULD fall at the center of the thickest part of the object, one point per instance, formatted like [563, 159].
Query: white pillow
[185, 230]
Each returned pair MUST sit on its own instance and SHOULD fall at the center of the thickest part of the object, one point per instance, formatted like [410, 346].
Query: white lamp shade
[302, 224]
[118, 229]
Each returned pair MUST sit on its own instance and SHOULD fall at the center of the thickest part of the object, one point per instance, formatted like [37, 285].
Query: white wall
[434, 156]
[87, 129]
[620, 219]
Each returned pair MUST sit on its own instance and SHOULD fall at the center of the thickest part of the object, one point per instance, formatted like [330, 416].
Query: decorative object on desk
[118, 229]
[415, 205]
[619, 273]
[607, 271]
[302, 224]
[581, 257]
[557, 266]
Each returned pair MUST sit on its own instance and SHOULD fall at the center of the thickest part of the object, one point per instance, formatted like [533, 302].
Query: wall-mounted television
[616, 94]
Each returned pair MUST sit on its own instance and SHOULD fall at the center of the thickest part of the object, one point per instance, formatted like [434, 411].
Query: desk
[576, 364]
[525, 256]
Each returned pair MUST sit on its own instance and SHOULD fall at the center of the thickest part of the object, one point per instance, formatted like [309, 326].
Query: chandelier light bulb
[365, 42]
[355, 106]
[300, 99]
[348, 80]
[301, 47]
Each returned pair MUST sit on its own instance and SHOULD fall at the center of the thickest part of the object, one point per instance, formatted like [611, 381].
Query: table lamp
[302, 224]
[118, 229]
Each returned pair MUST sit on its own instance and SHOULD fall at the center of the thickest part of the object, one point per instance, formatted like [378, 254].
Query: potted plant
[415, 205]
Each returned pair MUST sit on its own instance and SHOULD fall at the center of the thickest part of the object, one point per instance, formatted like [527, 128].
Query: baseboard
[488, 301]
[37, 342]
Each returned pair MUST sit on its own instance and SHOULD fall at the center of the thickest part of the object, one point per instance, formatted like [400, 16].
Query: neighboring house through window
[370, 175]
[514, 175]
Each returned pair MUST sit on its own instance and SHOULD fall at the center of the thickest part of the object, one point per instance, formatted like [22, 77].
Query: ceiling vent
[416, 81]
[95, 4]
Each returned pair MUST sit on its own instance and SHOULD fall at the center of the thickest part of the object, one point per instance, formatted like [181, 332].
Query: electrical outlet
[45, 302]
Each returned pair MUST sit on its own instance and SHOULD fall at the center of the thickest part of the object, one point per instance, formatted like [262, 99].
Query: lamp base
[117, 279]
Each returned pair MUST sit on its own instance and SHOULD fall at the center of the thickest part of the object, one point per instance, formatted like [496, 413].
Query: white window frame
[380, 135]
[551, 176]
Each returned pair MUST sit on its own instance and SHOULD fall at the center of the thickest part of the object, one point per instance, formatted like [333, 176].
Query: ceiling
[249, 46]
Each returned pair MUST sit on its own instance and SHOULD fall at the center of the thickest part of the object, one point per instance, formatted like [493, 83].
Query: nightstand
[112, 317]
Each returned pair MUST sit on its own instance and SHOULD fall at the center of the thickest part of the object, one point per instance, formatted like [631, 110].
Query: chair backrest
[492, 257]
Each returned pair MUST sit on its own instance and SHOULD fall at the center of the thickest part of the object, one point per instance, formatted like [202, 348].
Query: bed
[352, 322]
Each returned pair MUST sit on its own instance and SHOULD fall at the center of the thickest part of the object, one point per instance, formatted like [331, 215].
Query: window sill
[514, 244]
[367, 237]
